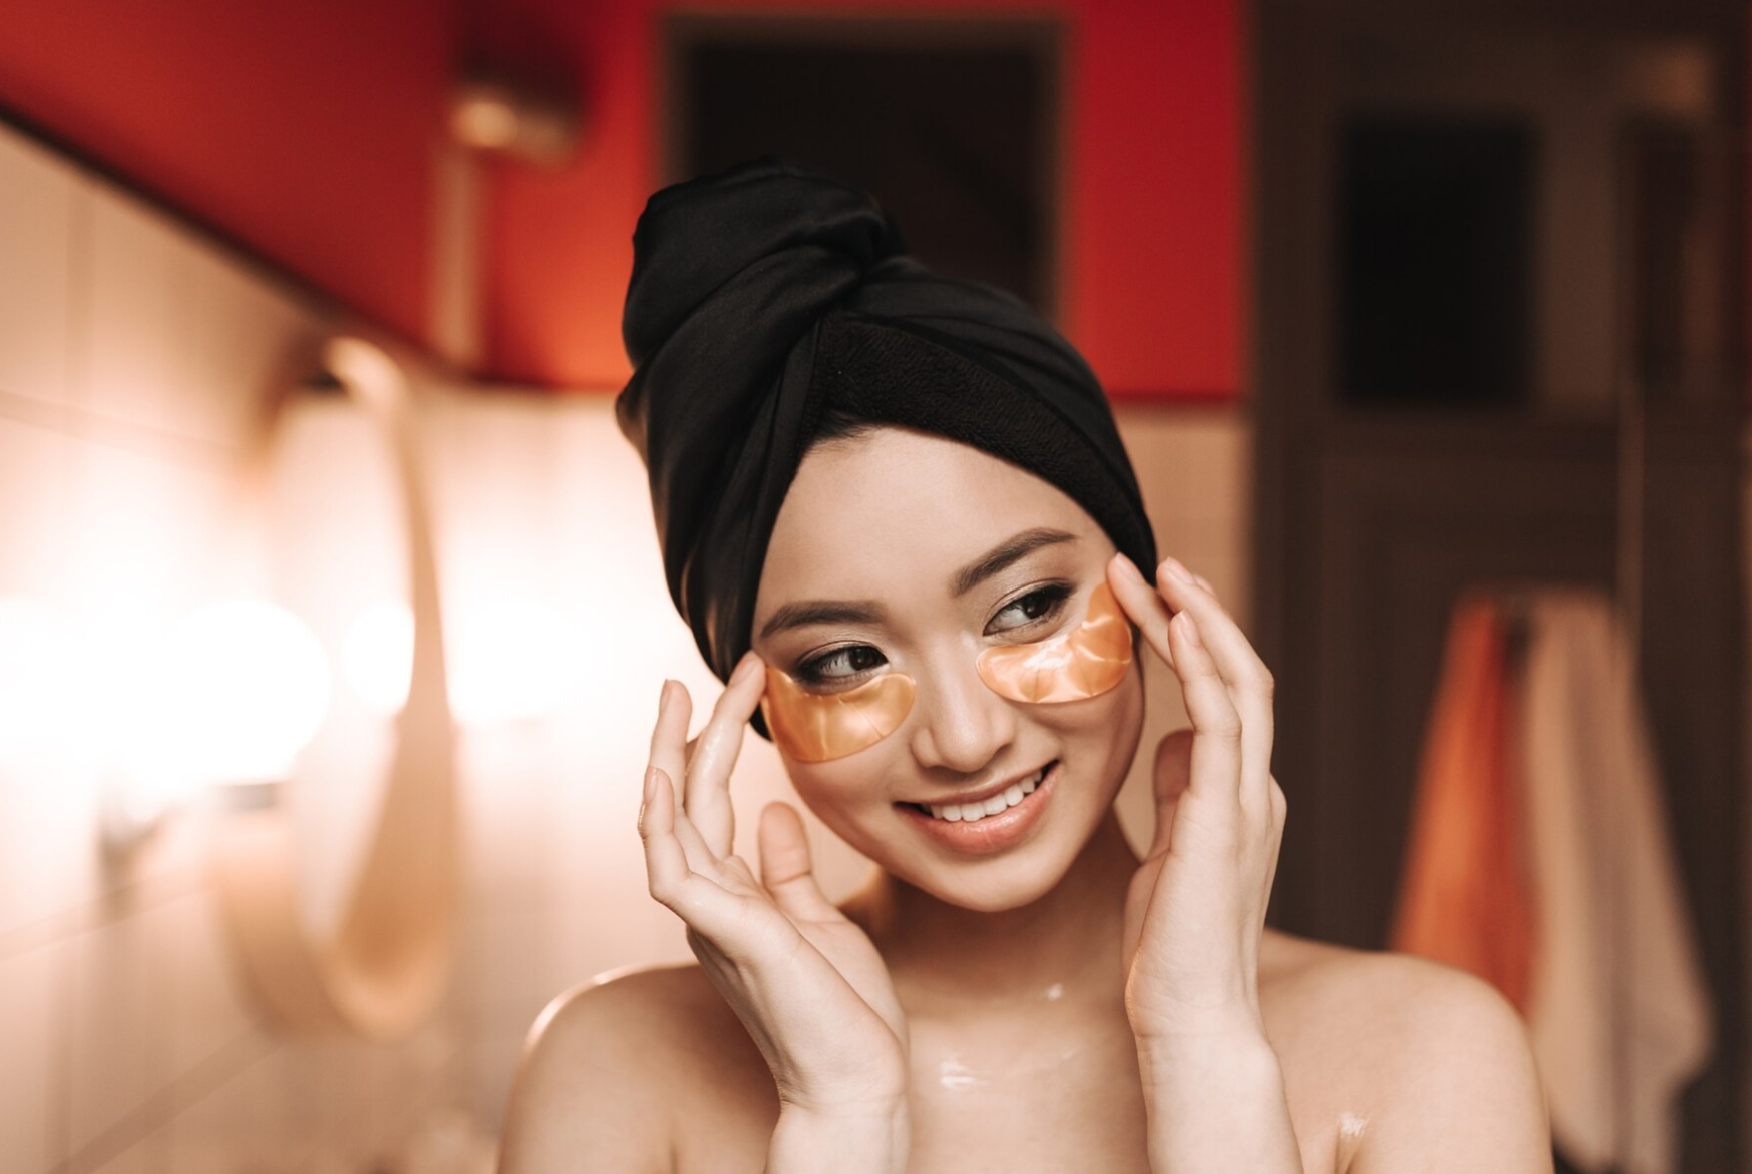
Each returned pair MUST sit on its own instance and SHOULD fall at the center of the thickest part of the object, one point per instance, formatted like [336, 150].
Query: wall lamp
[386, 965]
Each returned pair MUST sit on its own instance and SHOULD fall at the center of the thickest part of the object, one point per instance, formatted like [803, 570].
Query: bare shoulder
[1423, 1066]
[609, 1065]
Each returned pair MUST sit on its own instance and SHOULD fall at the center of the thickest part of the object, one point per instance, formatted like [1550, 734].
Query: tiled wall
[133, 358]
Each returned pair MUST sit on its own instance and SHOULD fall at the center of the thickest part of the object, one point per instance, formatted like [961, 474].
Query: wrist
[1239, 1053]
[861, 1138]
[1216, 1101]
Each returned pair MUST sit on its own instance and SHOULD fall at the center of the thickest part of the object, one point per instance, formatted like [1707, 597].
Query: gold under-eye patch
[1088, 660]
[816, 727]
[1084, 662]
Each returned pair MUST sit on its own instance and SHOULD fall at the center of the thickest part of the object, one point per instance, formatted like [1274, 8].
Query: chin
[992, 894]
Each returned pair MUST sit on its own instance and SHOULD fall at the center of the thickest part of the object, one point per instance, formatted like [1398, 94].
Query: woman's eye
[1035, 607]
[839, 664]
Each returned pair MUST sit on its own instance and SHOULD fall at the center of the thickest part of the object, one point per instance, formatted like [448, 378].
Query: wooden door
[1587, 309]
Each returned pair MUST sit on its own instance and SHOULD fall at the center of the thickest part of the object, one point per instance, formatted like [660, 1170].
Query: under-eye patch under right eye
[1084, 662]
[817, 727]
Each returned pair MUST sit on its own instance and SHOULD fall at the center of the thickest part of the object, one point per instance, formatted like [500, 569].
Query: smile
[1002, 801]
[990, 824]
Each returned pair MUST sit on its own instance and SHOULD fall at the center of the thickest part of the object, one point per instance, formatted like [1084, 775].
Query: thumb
[1173, 770]
[785, 866]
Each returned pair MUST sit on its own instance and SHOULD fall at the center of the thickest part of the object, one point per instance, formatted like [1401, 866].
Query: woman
[896, 513]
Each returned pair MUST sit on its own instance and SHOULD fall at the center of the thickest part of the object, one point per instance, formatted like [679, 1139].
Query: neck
[1066, 943]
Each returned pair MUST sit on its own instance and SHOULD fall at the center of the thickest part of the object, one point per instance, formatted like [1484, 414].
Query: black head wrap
[761, 295]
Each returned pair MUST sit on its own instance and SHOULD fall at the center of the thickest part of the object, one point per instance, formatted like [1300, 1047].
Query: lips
[989, 833]
[980, 797]
[974, 810]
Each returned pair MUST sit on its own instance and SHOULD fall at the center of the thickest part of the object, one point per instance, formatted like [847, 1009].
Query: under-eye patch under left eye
[817, 727]
[1087, 661]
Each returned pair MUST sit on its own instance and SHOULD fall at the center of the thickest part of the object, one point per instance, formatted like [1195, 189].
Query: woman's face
[881, 560]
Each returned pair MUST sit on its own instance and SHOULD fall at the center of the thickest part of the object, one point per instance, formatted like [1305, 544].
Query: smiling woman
[897, 515]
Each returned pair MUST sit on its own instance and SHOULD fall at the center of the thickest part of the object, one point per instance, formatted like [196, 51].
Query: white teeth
[1003, 800]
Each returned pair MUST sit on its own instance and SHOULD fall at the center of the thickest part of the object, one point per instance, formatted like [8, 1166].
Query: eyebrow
[1011, 550]
[823, 611]
[867, 611]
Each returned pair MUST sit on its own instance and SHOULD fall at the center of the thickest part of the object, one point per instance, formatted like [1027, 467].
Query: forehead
[900, 510]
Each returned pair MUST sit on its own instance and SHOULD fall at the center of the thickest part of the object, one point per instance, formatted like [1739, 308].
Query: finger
[1170, 775]
[700, 856]
[676, 828]
[786, 870]
[665, 859]
[1235, 657]
[1249, 682]
[668, 754]
[710, 911]
[669, 735]
[1142, 604]
[715, 752]
[1214, 773]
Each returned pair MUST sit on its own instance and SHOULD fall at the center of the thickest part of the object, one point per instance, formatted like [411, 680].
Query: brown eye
[1034, 608]
[839, 665]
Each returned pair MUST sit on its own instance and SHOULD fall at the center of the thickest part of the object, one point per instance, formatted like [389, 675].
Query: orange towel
[1466, 897]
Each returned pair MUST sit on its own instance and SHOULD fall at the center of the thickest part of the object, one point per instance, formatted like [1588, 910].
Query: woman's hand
[807, 983]
[1214, 1095]
[1196, 907]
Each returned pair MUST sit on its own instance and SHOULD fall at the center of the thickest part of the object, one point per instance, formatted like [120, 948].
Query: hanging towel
[1618, 1012]
[1466, 897]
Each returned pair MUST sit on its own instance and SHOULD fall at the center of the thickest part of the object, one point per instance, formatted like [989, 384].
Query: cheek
[841, 795]
[1106, 714]
[1103, 732]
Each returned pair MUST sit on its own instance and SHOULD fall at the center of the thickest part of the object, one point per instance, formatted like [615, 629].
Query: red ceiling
[305, 130]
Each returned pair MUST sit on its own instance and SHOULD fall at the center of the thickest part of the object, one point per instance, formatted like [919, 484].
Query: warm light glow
[131, 714]
[252, 685]
[514, 660]
[377, 655]
[511, 659]
[484, 118]
[38, 664]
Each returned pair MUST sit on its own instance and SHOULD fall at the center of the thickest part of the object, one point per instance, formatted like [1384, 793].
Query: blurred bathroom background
[1396, 302]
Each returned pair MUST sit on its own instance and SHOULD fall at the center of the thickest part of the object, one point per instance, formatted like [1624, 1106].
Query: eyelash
[810, 672]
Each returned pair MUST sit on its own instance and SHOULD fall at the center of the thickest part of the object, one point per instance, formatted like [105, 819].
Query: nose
[964, 724]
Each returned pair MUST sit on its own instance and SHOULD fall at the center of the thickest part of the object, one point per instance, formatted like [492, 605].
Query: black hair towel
[762, 293]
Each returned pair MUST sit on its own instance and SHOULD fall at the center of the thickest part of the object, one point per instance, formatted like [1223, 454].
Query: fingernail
[1191, 629]
[1130, 569]
[1173, 567]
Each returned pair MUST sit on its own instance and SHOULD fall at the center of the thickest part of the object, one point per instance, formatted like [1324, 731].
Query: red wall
[1155, 266]
[304, 128]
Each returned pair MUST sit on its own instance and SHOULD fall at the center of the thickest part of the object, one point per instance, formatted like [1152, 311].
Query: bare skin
[1018, 984]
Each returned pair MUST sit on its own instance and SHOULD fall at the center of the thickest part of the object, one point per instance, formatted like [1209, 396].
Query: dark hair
[840, 423]
[770, 309]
